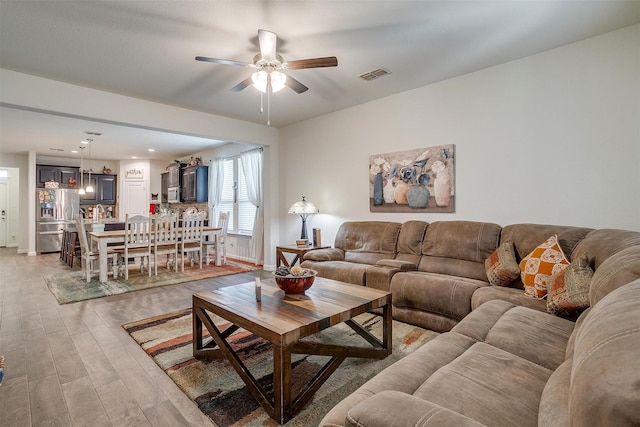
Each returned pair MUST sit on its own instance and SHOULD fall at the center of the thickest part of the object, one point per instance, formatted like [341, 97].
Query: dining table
[102, 239]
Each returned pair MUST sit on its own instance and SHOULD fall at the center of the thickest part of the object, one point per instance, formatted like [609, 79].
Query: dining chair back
[191, 236]
[87, 256]
[165, 241]
[221, 237]
[137, 242]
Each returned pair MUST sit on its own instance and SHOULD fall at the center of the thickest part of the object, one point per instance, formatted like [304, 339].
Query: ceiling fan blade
[329, 61]
[243, 84]
[223, 61]
[295, 85]
[267, 40]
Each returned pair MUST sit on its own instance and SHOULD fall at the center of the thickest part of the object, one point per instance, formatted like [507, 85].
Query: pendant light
[89, 188]
[81, 190]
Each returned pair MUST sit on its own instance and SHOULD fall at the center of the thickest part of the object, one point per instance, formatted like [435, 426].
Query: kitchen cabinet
[60, 174]
[164, 187]
[195, 184]
[173, 177]
[105, 187]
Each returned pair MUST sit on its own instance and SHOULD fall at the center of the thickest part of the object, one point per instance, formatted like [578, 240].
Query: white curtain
[216, 181]
[252, 167]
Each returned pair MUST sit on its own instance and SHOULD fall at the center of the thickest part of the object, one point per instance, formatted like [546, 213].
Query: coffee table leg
[282, 383]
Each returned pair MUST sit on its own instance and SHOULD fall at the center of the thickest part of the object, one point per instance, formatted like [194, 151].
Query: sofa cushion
[405, 375]
[513, 295]
[554, 403]
[407, 411]
[410, 241]
[605, 379]
[339, 270]
[489, 385]
[501, 266]
[326, 254]
[537, 267]
[366, 242]
[532, 335]
[604, 243]
[437, 293]
[568, 290]
[459, 248]
[617, 270]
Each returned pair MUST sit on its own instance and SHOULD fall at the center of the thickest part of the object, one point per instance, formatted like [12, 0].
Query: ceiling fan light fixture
[260, 81]
[278, 81]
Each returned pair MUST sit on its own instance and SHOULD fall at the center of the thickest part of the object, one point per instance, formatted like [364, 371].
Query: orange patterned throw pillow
[538, 267]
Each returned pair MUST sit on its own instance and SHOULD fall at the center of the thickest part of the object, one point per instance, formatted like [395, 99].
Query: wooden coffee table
[283, 320]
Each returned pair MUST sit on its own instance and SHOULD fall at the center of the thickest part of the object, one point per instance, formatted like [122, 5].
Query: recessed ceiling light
[134, 157]
[152, 149]
[74, 151]
[84, 141]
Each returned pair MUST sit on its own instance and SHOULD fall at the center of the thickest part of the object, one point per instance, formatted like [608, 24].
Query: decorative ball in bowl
[295, 280]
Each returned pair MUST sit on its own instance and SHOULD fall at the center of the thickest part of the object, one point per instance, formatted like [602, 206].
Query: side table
[292, 249]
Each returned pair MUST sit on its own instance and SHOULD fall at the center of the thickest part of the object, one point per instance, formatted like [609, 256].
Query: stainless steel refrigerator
[55, 209]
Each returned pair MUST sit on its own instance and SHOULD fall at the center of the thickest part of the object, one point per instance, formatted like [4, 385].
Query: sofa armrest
[399, 264]
[394, 408]
[328, 254]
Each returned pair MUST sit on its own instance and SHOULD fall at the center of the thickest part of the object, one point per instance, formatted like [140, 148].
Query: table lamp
[304, 209]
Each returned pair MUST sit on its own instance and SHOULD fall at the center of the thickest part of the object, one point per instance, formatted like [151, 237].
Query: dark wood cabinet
[164, 187]
[60, 174]
[105, 190]
[195, 184]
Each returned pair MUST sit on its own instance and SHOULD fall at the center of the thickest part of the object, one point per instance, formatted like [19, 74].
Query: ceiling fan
[269, 78]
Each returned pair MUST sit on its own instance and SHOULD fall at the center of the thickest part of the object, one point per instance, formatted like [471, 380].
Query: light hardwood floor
[73, 364]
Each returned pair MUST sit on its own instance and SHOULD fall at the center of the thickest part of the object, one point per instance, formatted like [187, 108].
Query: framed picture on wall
[420, 180]
[133, 173]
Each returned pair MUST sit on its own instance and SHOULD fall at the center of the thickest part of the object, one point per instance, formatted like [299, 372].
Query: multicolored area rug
[220, 393]
[72, 286]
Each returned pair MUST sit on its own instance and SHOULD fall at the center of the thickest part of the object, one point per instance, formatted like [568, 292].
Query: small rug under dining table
[218, 391]
[72, 286]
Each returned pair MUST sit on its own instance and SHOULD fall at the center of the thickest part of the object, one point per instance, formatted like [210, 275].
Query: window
[235, 200]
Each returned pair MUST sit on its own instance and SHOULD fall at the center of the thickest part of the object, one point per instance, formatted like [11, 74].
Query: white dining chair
[165, 240]
[210, 245]
[191, 237]
[88, 257]
[137, 242]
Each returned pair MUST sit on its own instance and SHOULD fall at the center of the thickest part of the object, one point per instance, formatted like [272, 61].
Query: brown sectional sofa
[504, 361]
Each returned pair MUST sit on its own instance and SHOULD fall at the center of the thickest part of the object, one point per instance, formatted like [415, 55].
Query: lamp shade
[303, 207]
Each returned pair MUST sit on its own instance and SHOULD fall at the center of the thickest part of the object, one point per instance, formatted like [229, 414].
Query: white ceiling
[146, 49]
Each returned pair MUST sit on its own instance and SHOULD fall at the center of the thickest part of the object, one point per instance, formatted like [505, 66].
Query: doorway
[3, 214]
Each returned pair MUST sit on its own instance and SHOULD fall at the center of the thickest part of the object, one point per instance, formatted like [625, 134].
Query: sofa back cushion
[526, 237]
[605, 374]
[410, 241]
[459, 248]
[602, 244]
[367, 242]
[616, 271]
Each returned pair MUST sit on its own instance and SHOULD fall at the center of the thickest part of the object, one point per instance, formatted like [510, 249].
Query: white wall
[551, 138]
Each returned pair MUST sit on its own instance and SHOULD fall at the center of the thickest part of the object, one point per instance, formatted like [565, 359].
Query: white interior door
[135, 200]
[3, 214]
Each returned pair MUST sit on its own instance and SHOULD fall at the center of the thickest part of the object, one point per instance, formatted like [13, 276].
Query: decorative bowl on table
[294, 281]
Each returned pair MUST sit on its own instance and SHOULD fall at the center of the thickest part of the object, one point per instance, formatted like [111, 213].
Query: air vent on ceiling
[88, 132]
[372, 75]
